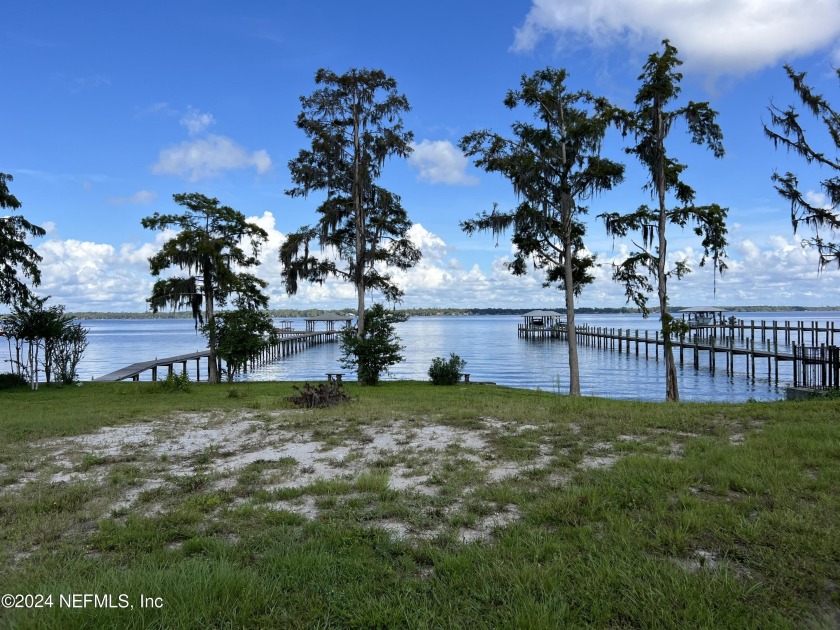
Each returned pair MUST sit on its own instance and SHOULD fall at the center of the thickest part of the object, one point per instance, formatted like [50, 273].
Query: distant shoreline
[451, 312]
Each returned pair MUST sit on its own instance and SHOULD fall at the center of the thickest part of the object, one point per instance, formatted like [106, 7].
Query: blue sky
[111, 108]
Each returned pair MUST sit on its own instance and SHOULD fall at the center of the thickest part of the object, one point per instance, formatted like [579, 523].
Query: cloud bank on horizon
[99, 277]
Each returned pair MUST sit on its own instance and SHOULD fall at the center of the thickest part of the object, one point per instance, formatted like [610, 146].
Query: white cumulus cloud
[723, 36]
[84, 275]
[440, 162]
[775, 270]
[209, 157]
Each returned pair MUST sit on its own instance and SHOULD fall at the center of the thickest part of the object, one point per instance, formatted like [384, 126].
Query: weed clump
[324, 395]
[443, 372]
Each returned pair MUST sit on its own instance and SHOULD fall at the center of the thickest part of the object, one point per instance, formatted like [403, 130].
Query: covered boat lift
[703, 316]
[329, 319]
[542, 324]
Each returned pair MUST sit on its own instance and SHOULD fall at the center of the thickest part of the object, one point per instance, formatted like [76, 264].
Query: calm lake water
[489, 344]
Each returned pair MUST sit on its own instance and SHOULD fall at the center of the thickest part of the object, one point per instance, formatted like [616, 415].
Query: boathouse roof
[703, 309]
[543, 314]
[330, 317]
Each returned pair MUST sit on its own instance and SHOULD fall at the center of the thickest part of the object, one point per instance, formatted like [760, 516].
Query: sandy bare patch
[699, 560]
[484, 527]
[237, 454]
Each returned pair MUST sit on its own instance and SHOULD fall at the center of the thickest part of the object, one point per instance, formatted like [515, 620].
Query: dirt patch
[239, 454]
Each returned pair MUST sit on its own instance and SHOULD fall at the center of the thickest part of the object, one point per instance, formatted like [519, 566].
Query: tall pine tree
[354, 123]
[553, 164]
[650, 124]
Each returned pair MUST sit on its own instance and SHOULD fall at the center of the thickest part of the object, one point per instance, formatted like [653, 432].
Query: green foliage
[821, 218]
[241, 335]
[446, 372]
[552, 165]
[44, 337]
[66, 352]
[18, 257]
[377, 349]
[9, 380]
[209, 246]
[650, 125]
[324, 395]
[175, 383]
[354, 122]
[828, 394]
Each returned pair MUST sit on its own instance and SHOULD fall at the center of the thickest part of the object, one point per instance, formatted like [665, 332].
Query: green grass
[609, 514]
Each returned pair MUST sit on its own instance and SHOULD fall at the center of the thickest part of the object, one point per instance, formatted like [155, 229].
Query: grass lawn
[415, 506]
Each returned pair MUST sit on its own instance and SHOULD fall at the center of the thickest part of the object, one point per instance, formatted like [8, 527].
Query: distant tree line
[291, 313]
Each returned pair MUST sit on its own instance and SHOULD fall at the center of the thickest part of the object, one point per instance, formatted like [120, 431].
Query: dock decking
[289, 342]
[814, 366]
[134, 370]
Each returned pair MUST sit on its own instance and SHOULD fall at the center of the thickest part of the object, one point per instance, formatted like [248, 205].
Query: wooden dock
[289, 342]
[809, 347]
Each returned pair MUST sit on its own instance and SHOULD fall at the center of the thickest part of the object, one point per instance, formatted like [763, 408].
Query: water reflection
[489, 344]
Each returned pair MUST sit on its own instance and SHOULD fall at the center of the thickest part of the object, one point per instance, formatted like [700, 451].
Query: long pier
[810, 347]
[289, 342]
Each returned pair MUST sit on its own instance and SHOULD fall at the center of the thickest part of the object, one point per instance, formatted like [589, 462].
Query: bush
[10, 381]
[443, 372]
[175, 383]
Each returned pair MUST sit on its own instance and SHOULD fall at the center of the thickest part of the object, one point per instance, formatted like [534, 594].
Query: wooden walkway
[289, 342]
[816, 365]
[134, 370]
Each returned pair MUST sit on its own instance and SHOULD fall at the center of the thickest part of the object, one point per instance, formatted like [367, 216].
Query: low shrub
[10, 381]
[175, 383]
[826, 394]
[443, 372]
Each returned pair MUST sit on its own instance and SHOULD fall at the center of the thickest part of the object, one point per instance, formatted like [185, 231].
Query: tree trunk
[574, 368]
[33, 364]
[209, 317]
[358, 212]
[672, 392]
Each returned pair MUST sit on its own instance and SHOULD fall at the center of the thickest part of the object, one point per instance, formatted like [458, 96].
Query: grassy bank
[470, 506]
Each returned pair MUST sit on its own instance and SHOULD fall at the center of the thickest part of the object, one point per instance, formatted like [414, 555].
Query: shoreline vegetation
[416, 506]
[454, 312]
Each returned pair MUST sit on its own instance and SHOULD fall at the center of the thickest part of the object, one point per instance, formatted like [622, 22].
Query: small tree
[377, 349]
[354, 122]
[16, 255]
[241, 336]
[36, 330]
[211, 247]
[650, 124]
[791, 136]
[553, 165]
[66, 352]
